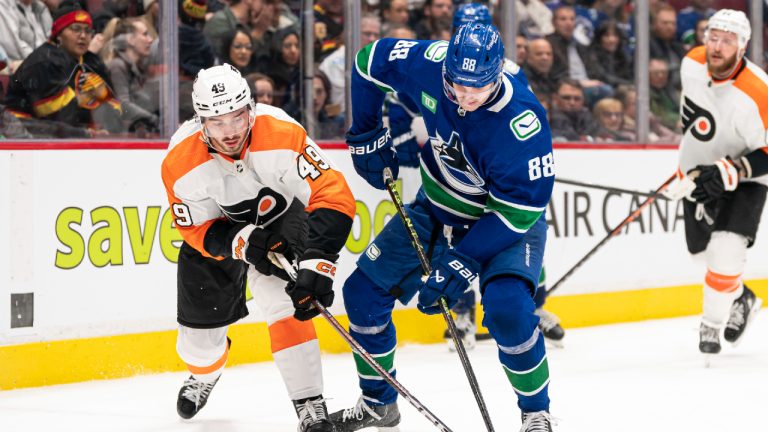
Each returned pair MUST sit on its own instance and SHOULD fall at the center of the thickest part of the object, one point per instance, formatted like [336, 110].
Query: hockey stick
[427, 269]
[605, 188]
[366, 355]
[632, 216]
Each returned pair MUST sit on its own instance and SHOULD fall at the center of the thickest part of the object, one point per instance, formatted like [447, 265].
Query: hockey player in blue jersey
[487, 175]
[401, 112]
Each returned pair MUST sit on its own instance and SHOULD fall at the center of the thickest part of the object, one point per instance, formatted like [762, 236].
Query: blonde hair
[607, 105]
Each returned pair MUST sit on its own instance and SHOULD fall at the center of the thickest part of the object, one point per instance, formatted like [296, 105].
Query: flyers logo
[326, 267]
[698, 120]
[266, 207]
[239, 248]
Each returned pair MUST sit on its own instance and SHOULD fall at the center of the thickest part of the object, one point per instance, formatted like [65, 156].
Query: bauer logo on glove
[452, 275]
[373, 146]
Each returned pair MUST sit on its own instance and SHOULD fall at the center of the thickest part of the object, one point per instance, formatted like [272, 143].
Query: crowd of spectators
[94, 68]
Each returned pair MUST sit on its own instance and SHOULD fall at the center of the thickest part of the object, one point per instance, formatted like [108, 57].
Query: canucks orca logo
[454, 166]
[262, 210]
[700, 121]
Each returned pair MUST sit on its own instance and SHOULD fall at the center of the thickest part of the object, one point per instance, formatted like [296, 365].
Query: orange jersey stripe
[218, 364]
[756, 89]
[330, 190]
[290, 332]
[182, 158]
[722, 283]
[698, 54]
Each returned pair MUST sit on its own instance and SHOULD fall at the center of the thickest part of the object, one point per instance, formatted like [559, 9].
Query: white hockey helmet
[731, 21]
[219, 90]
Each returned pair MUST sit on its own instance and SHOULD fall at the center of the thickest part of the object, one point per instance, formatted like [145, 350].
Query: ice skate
[384, 418]
[549, 325]
[466, 329]
[743, 311]
[709, 342]
[313, 415]
[539, 421]
[193, 396]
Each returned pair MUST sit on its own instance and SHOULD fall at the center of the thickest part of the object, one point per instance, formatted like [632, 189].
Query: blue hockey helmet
[471, 13]
[475, 58]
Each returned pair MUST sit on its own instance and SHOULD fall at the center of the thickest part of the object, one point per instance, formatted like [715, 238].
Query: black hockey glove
[714, 180]
[314, 281]
[253, 245]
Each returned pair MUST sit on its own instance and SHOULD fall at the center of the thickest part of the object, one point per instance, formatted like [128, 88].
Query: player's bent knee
[201, 346]
[365, 302]
[509, 310]
[727, 253]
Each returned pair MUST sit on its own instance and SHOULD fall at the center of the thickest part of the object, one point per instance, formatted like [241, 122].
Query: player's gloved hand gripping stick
[317, 306]
[442, 303]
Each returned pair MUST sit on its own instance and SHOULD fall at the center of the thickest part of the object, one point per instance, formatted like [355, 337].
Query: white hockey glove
[682, 188]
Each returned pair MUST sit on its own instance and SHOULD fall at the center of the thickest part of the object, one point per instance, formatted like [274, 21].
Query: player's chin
[469, 107]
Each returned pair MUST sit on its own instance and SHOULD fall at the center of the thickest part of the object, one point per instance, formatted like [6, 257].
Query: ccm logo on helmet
[222, 102]
[326, 267]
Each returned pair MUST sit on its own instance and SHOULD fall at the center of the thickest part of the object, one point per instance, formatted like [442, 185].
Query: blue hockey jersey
[490, 170]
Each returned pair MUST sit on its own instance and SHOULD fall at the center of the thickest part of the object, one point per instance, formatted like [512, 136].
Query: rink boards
[88, 275]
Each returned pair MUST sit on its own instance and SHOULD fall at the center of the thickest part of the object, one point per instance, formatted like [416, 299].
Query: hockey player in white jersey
[244, 180]
[724, 153]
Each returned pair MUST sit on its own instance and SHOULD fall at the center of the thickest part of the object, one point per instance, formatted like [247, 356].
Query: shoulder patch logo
[429, 102]
[700, 121]
[525, 125]
[436, 51]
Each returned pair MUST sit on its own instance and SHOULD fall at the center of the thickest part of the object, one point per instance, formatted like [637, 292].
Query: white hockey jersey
[721, 117]
[279, 163]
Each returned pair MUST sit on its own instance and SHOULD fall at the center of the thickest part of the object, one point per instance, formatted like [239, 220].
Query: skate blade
[380, 429]
[708, 360]
[752, 312]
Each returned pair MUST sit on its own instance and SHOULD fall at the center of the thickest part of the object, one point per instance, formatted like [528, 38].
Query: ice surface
[643, 377]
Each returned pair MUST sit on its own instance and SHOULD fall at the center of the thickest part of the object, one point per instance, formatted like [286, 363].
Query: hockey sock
[369, 308]
[509, 315]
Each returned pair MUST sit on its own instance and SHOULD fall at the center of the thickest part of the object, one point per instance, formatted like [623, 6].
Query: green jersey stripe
[447, 200]
[517, 219]
[515, 205]
[363, 65]
[531, 381]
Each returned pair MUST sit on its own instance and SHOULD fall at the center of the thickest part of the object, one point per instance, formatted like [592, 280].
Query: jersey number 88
[541, 167]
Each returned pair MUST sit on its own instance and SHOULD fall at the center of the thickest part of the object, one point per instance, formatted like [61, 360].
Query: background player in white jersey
[245, 181]
[724, 109]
